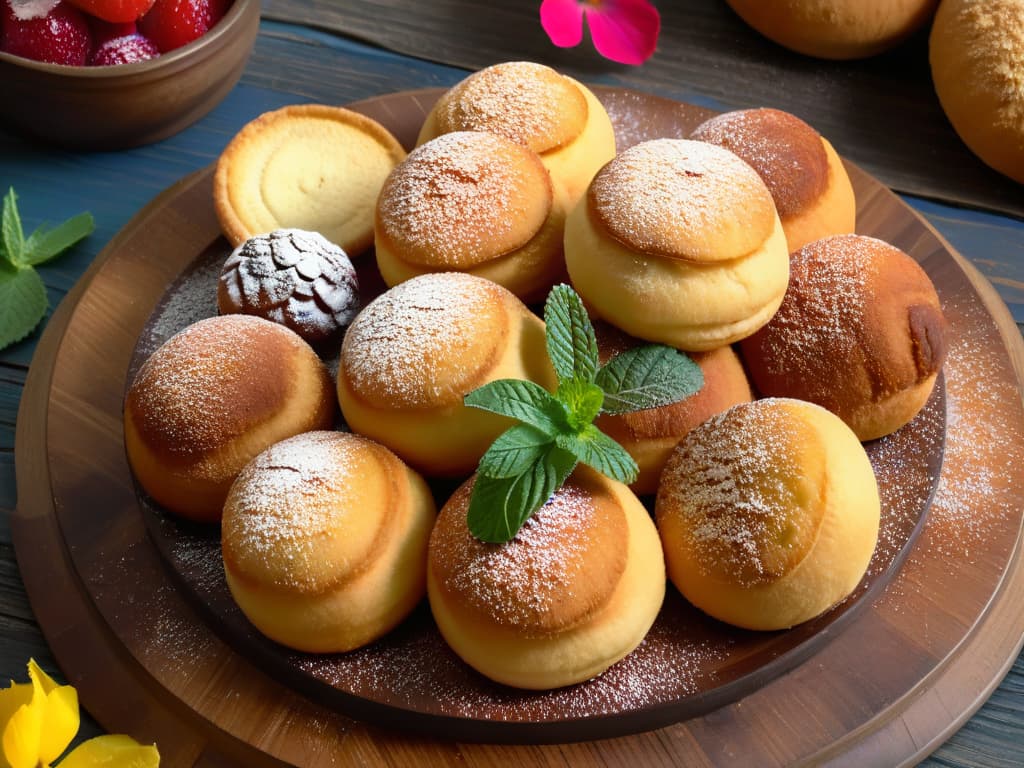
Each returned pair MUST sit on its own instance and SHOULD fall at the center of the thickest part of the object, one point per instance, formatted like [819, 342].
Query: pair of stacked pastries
[735, 245]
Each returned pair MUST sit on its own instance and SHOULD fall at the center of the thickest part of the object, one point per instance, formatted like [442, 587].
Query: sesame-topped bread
[678, 241]
[803, 173]
[324, 540]
[477, 203]
[768, 513]
[413, 353]
[211, 398]
[573, 592]
[860, 332]
[553, 115]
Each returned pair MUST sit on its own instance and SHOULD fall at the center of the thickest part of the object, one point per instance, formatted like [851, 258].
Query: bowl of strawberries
[111, 74]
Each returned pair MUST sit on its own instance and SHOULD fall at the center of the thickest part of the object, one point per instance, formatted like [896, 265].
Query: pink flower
[625, 31]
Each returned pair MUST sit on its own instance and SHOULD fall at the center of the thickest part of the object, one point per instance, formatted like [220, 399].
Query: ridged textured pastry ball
[678, 242]
[305, 166]
[296, 278]
[806, 178]
[576, 590]
[472, 202]
[768, 514]
[860, 332]
[650, 435]
[414, 353]
[210, 399]
[836, 29]
[324, 540]
[977, 61]
[555, 116]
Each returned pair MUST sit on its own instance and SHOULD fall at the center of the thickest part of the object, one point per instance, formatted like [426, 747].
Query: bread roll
[477, 203]
[213, 397]
[977, 56]
[324, 539]
[575, 590]
[678, 242]
[555, 116]
[414, 353]
[805, 176]
[860, 332]
[768, 514]
[650, 435]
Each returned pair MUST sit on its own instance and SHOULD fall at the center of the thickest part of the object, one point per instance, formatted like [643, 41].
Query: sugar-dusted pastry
[805, 176]
[650, 435]
[678, 241]
[413, 353]
[473, 202]
[555, 116]
[860, 332]
[307, 166]
[324, 539]
[296, 278]
[768, 514]
[575, 591]
[210, 399]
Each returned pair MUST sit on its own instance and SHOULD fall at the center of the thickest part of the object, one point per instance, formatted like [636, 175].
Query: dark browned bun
[574, 591]
[210, 399]
[806, 178]
[860, 332]
[650, 435]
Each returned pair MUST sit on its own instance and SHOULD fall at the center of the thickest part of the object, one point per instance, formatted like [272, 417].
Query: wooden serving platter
[881, 681]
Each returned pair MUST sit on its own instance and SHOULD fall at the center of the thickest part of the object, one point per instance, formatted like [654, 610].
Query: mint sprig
[530, 461]
[22, 293]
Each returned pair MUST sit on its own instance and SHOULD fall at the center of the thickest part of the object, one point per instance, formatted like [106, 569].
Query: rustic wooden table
[881, 113]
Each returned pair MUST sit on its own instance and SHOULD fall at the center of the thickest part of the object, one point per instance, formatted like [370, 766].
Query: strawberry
[108, 30]
[174, 23]
[60, 37]
[114, 10]
[124, 50]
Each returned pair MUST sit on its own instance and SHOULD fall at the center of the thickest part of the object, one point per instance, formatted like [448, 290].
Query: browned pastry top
[682, 199]
[528, 103]
[784, 150]
[560, 569]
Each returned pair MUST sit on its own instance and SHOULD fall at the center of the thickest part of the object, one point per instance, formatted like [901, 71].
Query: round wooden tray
[905, 671]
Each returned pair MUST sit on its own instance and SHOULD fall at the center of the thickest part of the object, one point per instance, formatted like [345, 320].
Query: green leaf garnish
[647, 377]
[530, 461]
[22, 293]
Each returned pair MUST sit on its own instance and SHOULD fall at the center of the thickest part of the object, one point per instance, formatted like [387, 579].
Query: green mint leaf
[582, 402]
[571, 343]
[514, 451]
[11, 235]
[498, 507]
[595, 449]
[22, 303]
[525, 401]
[43, 244]
[648, 377]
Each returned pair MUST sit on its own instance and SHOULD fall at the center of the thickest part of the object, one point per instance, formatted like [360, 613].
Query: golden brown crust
[528, 103]
[784, 150]
[308, 166]
[681, 199]
[426, 342]
[860, 324]
[463, 199]
[558, 572]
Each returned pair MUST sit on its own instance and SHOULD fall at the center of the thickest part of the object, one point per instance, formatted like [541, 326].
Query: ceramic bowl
[127, 105]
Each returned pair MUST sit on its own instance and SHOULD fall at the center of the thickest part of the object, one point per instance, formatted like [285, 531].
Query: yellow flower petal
[19, 694]
[37, 674]
[23, 731]
[60, 723]
[112, 752]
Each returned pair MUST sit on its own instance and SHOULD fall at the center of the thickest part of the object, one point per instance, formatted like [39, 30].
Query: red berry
[60, 37]
[174, 23]
[114, 10]
[124, 50]
[108, 30]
